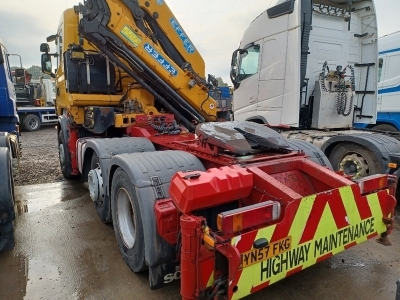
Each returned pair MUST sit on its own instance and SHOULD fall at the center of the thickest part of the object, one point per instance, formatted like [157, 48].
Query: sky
[214, 26]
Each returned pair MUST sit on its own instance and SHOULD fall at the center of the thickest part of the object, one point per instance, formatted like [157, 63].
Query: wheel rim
[33, 123]
[126, 218]
[355, 165]
[61, 154]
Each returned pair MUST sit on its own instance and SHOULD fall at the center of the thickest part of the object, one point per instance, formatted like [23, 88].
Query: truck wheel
[64, 157]
[7, 238]
[7, 203]
[385, 127]
[127, 221]
[31, 123]
[354, 160]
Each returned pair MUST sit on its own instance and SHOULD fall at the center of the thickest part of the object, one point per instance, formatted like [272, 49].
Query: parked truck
[310, 69]
[227, 208]
[9, 152]
[223, 97]
[35, 104]
[388, 102]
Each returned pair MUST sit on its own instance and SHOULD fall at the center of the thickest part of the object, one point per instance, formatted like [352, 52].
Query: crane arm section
[145, 40]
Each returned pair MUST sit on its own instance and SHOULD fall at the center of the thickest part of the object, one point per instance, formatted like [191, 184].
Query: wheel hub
[95, 181]
[354, 165]
[61, 154]
[32, 123]
[126, 218]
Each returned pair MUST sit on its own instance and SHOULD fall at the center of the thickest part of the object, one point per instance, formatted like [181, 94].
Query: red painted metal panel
[196, 190]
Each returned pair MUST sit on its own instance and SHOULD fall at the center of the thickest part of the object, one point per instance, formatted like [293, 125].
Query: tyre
[7, 202]
[314, 153]
[103, 207]
[64, 157]
[31, 123]
[354, 160]
[385, 127]
[7, 238]
[127, 221]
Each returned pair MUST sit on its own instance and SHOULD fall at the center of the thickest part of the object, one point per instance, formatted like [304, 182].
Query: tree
[221, 82]
[36, 72]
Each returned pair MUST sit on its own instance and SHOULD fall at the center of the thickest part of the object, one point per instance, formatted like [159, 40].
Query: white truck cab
[388, 102]
[285, 51]
[47, 90]
[310, 69]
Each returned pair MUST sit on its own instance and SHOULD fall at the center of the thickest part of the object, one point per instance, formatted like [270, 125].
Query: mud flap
[163, 274]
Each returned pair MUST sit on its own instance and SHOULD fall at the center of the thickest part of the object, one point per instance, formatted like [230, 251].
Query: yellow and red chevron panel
[290, 214]
[312, 229]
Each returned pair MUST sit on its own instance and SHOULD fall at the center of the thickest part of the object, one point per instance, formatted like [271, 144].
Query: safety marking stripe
[314, 218]
[353, 216]
[375, 205]
[338, 210]
[325, 226]
[317, 225]
[245, 242]
[282, 229]
[362, 204]
[247, 279]
[383, 202]
[210, 280]
[294, 271]
[301, 218]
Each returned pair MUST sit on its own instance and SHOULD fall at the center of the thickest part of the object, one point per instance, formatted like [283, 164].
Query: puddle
[24, 278]
[42, 279]
[33, 198]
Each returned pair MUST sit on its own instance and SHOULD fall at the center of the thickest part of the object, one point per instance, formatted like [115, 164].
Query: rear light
[247, 217]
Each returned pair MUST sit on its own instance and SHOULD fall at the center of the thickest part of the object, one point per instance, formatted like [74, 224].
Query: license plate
[273, 249]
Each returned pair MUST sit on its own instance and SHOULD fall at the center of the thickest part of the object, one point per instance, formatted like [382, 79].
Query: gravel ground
[39, 161]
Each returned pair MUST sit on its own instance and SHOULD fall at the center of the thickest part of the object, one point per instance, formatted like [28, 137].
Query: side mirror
[52, 38]
[46, 64]
[44, 47]
[1, 56]
[233, 72]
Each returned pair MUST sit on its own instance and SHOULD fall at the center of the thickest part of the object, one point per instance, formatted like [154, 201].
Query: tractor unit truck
[35, 105]
[310, 69]
[388, 102]
[9, 152]
[227, 208]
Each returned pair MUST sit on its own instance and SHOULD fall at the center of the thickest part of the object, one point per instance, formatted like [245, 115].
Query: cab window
[248, 62]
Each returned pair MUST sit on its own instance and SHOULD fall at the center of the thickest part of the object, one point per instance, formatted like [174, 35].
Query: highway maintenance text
[292, 258]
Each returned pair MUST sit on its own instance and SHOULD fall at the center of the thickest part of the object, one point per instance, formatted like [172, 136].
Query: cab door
[247, 76]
